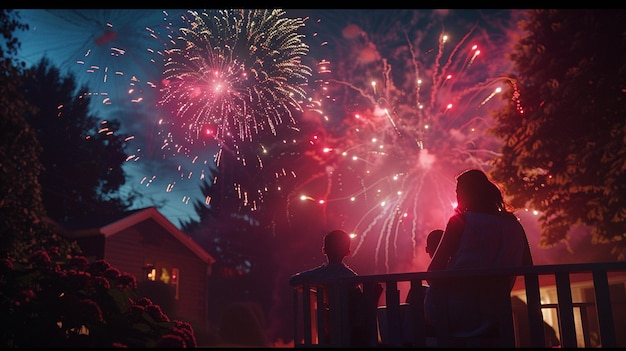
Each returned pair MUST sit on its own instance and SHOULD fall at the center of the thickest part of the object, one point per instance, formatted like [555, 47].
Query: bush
[75, 303]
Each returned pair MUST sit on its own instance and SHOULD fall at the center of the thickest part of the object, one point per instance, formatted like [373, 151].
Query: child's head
[432, 241]
[336, 245]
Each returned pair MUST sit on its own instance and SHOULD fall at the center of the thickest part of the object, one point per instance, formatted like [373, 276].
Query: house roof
[114, 224]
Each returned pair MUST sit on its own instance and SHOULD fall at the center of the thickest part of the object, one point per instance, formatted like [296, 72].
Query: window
[149, 271]
[165, 275]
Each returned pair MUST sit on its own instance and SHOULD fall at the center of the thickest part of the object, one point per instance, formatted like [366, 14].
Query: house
[584, 308]
[146, 244]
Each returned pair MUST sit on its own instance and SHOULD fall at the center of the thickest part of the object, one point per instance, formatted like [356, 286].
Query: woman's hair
[476, 193]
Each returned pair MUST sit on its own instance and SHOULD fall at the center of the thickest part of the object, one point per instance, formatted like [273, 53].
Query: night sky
[113, 52]
[400, 110]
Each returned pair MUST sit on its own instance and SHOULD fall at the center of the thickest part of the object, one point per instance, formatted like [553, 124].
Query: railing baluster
[321, 316]
[334, 322]
[296, 319]
[306, 313]
[392, 300]
[535, 318]
[507, 334]
[603, 305]
[417, 314]
[371, 299]
[565, 310]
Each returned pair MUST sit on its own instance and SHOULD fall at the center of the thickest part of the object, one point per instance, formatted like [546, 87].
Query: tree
[82, 157]
[238, 245]
[564, 125]
[21, 209]
[251, 243]
[49, 295]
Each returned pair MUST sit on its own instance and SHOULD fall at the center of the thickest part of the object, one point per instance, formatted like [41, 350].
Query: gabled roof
[112, 225]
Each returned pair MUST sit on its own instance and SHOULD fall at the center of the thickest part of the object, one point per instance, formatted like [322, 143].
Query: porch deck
[595, 321]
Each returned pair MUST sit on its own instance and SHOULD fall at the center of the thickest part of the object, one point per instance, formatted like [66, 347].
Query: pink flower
[112, 273]
[157, 314]
[99, 267]
[171, 341]
[101, 282]
[127, 281]
[79, 262]
[40, 258]
[6, 265]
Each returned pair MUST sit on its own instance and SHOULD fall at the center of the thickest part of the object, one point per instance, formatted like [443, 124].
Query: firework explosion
[416, 114]
[232, 77]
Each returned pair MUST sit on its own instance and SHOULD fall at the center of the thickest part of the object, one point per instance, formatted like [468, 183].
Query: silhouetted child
[336, 247]
[432, 241]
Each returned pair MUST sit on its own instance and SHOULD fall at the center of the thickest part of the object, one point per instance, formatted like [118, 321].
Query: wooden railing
[403, 324]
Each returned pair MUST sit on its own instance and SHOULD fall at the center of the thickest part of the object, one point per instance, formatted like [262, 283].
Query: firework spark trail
[437, 83]
[419, 144]
[114, 64]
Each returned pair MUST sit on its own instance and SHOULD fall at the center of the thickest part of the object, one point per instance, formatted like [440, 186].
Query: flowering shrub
[75, 303]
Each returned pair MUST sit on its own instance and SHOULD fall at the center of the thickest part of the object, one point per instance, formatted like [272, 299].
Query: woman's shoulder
[458, 217]
[504, 215]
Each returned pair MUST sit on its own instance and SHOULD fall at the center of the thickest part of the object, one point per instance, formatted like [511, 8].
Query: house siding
[147, 242]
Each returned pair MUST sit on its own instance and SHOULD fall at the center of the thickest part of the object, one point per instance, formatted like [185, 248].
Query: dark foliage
[82, 157]
[21, 210]
[564, 125]
[53, 302]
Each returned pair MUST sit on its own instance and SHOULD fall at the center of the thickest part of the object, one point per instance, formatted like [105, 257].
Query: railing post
[321, 317]
[336, 323]
[535, 318]
[603, 305]
[416, 312]
[505, 320]
[565, 310]
[296, 319]
[392, 300]
[306, 314]
[370, 294]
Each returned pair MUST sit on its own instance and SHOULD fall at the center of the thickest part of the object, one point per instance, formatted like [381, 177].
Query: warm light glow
[165, 276]
[152, 274]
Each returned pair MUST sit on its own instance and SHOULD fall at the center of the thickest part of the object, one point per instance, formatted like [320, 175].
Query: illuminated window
[150, 271]
[165, 276]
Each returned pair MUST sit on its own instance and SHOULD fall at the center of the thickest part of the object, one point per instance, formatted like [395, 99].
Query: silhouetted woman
[482, 233]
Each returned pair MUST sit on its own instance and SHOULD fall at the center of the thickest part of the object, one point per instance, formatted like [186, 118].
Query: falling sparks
[230, 79]
[390, 167]
[237, 71]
